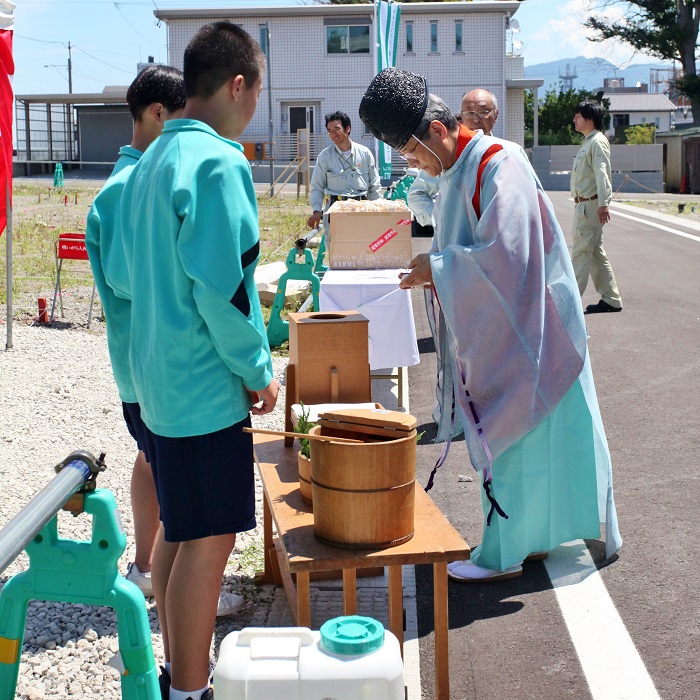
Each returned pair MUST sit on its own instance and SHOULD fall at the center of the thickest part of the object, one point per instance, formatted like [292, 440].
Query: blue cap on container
[352, 635]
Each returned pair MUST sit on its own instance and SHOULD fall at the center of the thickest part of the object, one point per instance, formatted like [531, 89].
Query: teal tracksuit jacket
[105, 248]
[190, 227]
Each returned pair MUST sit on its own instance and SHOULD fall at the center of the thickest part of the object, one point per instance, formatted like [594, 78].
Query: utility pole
[70, 71]
[69, 110]
[269, 110]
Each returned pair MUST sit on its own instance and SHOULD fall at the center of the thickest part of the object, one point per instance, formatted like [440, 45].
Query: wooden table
[296, 551]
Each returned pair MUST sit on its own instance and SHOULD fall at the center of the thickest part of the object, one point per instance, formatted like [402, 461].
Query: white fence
[635, 168]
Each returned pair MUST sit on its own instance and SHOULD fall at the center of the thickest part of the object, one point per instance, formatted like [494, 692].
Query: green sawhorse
[66, 571]
[297, 269]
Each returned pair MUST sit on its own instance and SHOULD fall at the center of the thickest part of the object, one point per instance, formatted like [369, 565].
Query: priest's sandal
[467, 572]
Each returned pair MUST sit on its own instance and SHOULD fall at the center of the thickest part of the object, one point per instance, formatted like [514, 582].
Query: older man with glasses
[479, 110]
[512, 357]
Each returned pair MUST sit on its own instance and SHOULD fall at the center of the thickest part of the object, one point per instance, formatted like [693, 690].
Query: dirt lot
[42, 212]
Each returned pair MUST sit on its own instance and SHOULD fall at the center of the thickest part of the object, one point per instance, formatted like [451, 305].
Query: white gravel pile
[57, 395]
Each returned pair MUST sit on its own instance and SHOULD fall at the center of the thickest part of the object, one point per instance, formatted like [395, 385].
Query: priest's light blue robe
[513, 368]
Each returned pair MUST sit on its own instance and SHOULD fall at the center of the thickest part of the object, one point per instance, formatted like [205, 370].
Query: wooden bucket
[305, 478]
[363, 494]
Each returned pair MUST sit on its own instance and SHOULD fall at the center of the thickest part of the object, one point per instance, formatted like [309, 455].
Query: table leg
[400, 386]
[290, 399]
[349, 592]
[440, 621]
[268, 576]
[304, 599]
[396, 603]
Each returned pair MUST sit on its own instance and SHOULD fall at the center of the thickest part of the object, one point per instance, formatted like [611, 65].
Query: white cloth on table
[376, 295]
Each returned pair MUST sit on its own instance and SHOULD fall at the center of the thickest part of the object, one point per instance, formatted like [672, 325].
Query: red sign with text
[384, 238]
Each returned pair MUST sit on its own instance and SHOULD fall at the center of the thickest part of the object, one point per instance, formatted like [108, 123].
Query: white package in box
[295, 663]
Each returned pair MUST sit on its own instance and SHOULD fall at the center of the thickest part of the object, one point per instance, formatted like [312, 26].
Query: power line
[117, 7]
[80, 2]
[99, 60]
[89, 77]
[41, 41]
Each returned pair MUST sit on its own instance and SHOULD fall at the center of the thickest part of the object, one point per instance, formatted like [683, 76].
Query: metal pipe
[303, 241]
[307, 304]
[8, 267]
[44, 506]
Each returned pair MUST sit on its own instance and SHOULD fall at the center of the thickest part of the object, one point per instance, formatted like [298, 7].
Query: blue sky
[109, 38]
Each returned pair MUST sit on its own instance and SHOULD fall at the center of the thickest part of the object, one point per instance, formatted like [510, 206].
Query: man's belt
[585, 199]
[344, 197]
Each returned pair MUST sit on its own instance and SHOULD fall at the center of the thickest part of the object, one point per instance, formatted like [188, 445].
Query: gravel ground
[57, 395]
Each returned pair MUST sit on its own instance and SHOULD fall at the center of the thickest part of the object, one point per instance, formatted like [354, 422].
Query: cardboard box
[369, 240]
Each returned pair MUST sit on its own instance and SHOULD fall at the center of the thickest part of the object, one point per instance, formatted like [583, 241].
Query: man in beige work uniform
[591, 188]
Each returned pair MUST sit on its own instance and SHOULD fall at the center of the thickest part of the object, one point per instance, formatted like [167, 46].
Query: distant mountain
[590, 72]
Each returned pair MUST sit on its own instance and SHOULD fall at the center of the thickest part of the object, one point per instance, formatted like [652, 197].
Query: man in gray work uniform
[591, 188]
[344, 170]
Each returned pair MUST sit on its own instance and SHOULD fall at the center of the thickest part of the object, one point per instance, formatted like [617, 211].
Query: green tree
[640, 134]
[667, 29]
[556, 112]
[529, 118]
[529, 110]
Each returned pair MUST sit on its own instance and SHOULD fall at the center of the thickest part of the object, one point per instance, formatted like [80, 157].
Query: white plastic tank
[351, 658]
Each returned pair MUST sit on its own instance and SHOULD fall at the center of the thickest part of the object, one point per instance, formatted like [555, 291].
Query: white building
[632, 108]
[322, 59]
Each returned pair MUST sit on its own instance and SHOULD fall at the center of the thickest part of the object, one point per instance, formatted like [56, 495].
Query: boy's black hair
[218, 52]
[338, 117]
[590, 109]
[154, 83]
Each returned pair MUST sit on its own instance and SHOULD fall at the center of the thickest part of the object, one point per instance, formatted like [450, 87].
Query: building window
[458, 36]
[621, 120]
[262, 33]
[347, 39]
[409, 37]
[433, 37]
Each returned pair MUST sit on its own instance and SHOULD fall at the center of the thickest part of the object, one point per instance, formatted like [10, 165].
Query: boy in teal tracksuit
[156, 94]
[199, 354]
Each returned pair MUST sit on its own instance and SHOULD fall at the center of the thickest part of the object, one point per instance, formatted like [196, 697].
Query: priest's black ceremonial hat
[393, 105]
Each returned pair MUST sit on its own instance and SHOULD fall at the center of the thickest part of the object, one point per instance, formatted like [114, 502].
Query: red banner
[7, 68]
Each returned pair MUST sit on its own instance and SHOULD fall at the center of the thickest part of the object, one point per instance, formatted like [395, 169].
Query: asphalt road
[514, 639]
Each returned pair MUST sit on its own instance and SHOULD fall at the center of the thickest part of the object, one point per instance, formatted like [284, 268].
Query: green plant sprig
[302, 427]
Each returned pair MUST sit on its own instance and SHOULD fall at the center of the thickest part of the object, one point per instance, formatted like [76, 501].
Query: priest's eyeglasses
[473, 115]
[409, 155]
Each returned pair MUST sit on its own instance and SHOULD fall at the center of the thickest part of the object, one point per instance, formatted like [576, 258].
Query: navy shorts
[205, 483]
[137, 428]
